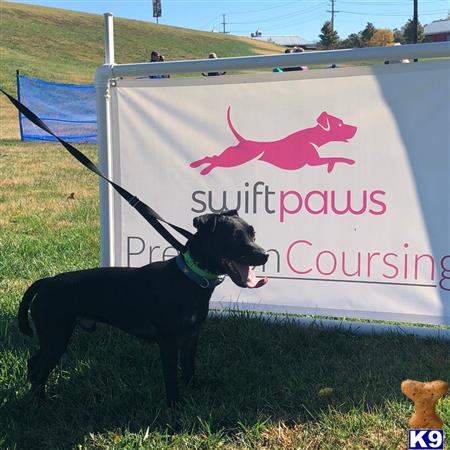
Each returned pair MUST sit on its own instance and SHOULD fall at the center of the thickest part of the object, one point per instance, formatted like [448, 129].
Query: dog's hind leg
[31, 363]
[37, 388]
[210, 160]
[52, 346]
[230, 157]
[199, 162]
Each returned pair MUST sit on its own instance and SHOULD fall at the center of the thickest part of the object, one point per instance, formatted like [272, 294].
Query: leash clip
[133, 201]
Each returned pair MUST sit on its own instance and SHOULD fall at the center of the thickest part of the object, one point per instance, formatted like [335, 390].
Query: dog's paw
[195, 164]
[207, 169]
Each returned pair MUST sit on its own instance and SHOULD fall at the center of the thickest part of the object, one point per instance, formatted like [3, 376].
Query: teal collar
[200, 276]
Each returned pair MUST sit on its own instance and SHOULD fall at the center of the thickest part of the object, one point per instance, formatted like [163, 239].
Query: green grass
[261, 384]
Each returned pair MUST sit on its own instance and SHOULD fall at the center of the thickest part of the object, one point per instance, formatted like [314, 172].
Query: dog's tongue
[249, 277]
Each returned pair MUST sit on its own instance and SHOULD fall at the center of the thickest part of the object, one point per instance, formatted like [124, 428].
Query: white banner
[344, 173]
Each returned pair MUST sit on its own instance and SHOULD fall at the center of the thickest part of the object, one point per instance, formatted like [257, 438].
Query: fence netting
[68, 109]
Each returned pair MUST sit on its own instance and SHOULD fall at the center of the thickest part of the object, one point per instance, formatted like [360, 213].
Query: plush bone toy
[425, 396]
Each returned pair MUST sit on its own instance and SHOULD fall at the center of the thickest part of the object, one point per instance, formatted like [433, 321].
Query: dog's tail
[22, 316]
[233, 130]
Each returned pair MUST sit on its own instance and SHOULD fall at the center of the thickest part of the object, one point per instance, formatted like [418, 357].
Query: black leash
[144, 210]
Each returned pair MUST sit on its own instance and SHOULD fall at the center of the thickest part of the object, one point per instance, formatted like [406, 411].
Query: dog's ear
[231, 212]
[207, 222]
[323, 122]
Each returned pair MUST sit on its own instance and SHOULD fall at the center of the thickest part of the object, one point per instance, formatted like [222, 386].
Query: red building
[438, 31]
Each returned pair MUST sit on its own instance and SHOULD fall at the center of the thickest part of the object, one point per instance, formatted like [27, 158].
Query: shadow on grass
[249, 370]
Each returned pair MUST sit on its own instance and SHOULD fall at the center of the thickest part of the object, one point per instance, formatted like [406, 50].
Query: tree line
[370, 36]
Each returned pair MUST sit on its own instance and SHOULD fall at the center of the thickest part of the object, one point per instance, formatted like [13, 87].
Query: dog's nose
[264, 258]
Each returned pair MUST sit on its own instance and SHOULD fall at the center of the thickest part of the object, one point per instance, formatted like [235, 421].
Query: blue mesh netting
[68, 110]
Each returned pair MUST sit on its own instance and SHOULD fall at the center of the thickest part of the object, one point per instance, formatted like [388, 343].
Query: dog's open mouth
[243, 275]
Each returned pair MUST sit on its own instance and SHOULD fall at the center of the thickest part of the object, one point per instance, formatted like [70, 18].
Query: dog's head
[336, 128]
[225, 244]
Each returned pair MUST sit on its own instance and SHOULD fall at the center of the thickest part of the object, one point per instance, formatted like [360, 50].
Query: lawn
[262, 385]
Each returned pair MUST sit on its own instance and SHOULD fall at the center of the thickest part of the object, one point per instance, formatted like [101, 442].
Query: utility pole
[223, 23]
[415, 21]
[333, 13]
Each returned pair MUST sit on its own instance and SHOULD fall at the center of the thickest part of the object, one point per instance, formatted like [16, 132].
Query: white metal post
[109, 38]
[102, 77]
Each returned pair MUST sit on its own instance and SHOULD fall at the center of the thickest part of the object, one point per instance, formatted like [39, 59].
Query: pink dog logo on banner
[293, 152]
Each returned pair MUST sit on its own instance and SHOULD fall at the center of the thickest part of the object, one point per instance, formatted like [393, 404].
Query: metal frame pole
[429, 50]
[102, 77]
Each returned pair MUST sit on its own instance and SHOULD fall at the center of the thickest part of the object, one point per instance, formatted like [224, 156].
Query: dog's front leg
[188, 350]
[332, 161]
[169, 357]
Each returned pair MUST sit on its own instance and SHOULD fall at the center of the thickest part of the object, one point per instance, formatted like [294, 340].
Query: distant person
[213, 74]
[156, 57]
[291, 69]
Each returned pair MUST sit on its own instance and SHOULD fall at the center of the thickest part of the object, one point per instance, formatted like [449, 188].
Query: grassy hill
[67, 46]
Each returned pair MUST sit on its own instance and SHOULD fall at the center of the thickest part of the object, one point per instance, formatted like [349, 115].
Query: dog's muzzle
[242, 274]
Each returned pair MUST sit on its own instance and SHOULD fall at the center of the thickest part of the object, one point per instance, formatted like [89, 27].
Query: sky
[242, 17]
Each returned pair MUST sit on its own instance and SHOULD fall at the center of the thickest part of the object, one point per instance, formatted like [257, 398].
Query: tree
[408, 32]
[381, 38]
[353, 41]
[367, 33]
[398, 36]
[329, 38]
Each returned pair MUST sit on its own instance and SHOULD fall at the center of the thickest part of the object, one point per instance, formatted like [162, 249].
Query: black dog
[164, 302]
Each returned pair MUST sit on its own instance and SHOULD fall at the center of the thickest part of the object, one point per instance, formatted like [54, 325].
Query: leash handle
[150, 215]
